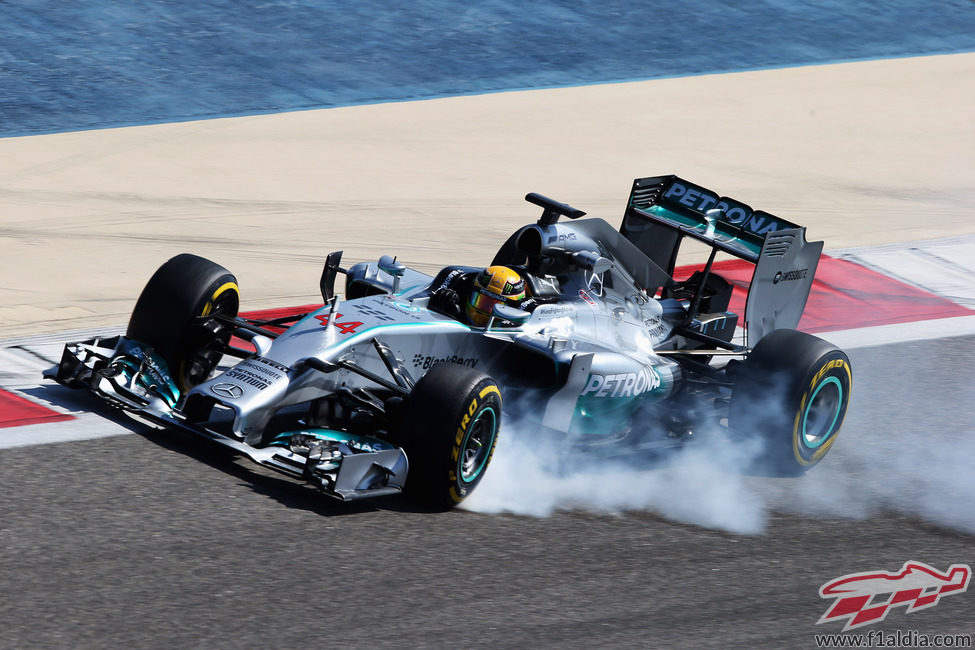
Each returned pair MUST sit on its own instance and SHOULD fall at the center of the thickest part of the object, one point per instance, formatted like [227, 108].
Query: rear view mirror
[592, 261]
[509, 313]
[388, 264]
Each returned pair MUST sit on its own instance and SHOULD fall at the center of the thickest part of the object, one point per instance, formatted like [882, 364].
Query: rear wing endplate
[663, 210]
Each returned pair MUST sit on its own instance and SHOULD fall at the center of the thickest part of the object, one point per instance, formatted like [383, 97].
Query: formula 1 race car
[394, 388]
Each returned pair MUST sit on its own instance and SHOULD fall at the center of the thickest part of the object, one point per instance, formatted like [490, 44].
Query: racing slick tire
[167, 316]
[449, 431]
[792, 391]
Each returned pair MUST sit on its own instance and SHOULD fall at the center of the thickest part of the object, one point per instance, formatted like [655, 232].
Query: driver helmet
[493, 285]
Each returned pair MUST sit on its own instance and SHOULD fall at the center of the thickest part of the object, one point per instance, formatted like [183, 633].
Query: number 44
[345, 328]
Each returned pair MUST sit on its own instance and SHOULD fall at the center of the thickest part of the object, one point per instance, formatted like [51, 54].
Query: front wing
[129, 376]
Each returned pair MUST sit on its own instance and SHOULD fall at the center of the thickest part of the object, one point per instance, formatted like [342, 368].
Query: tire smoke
[690, 485]
[914, 462]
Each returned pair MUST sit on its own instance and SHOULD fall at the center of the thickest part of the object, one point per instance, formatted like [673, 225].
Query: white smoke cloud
[693, 486]
[872, 468]
[909, 471]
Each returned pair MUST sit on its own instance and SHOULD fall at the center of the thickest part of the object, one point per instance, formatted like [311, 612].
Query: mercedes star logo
[230, 391]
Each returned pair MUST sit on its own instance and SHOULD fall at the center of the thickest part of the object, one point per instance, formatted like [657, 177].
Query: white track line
[944, 267]
[865, 337]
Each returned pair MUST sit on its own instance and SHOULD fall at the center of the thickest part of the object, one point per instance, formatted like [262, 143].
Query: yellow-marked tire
[449, 431]
[792, 392]
[170, 316]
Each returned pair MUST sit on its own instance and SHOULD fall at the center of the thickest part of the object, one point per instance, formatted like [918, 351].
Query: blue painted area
[79, 65]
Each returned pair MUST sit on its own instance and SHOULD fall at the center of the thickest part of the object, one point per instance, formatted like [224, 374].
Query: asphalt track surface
[158, 541]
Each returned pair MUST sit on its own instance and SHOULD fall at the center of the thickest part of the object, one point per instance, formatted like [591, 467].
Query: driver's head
[493, 285]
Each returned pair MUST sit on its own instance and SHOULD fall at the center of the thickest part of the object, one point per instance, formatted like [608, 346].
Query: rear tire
[168, 314]
[449, 431]
[792, 391]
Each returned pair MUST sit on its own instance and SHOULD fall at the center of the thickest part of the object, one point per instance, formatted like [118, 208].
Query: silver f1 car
[391, 389]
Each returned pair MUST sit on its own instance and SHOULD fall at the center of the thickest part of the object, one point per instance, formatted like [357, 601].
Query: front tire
[168, 316]
[792, 391]
[449, 431]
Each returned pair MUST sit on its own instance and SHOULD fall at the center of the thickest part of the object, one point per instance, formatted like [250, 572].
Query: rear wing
[663, 210]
